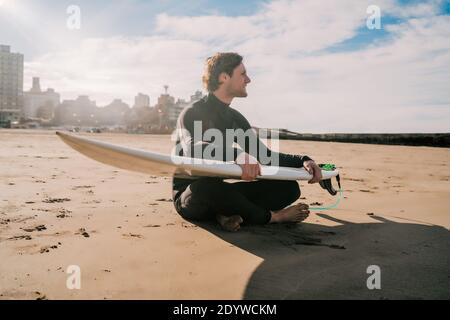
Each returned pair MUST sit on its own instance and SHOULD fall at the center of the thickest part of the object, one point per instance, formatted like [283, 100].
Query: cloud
[107, 68]
[388, 87]
[393, 85]
[421, 9]
[290, 25]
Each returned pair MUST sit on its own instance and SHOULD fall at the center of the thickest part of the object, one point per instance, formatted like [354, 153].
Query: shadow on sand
[309, 261]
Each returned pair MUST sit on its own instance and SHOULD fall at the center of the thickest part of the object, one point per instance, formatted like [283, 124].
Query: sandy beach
[59, 208]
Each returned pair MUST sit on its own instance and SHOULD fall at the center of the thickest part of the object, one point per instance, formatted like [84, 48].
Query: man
[231, 204]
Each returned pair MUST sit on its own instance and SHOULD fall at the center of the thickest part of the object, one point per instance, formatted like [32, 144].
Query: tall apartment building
[38, 103]
[11, 85]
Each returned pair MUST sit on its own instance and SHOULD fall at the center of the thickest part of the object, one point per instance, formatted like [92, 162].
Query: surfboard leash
[329, 207]
[326, 184]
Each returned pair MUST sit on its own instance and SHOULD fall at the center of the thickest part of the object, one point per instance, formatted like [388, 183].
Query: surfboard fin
[326, 184]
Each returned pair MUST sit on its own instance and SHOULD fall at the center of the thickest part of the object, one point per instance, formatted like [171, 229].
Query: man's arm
[283, 159]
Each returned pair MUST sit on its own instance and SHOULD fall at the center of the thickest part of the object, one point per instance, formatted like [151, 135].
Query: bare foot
[295, 213]
[232, 223]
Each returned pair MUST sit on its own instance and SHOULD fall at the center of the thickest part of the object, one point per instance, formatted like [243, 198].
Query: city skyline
[37, 107]
[35, 86]
[47, 107]
[81, 94]
[314, 67]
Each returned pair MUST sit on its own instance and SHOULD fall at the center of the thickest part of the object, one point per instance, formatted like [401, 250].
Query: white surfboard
[154, 163]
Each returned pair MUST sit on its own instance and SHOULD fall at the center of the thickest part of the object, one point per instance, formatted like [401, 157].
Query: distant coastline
[441, 140]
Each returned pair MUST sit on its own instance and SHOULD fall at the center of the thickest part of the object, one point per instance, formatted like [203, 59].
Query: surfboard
[159, 164]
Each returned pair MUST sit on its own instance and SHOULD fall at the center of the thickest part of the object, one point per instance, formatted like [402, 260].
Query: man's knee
[283, 193]
[284, 189]
[192, 205]
[292, 190]
[207, 186]
[286, 192]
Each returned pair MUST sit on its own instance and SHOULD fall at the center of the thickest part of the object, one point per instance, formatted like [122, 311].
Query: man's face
[236, 84]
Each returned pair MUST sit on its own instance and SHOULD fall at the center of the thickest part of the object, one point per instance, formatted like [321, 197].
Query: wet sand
[59, 208]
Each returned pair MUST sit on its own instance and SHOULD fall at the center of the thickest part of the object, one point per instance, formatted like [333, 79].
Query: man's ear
[223, 77]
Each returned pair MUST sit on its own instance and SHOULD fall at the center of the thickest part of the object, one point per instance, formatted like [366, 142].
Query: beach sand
[59, 208]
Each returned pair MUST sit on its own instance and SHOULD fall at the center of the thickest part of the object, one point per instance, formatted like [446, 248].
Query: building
[79, 112]
[179, 106]
[39, 104]
[11, 86]
[168, 110]
[114, 113]
[141, 100]
[162, 117]
[196, 96]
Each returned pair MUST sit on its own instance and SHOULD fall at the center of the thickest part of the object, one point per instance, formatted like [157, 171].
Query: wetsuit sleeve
[264, 155]
[192, 143]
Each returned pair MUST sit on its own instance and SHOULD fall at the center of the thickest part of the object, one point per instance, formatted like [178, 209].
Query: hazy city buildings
[114, 113]
[11, 86]
[196, 96]
[36, 107]
[169, 110]
[78, 112]
[38, 103]
[141, 100]
[141, 118]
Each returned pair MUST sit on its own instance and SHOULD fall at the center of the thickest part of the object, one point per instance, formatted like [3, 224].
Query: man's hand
[249, 165]
[314, 170]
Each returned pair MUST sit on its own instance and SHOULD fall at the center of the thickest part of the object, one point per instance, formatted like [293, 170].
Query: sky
[315, 65]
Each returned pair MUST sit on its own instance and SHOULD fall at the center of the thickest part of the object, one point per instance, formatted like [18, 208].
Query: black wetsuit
[203, 198]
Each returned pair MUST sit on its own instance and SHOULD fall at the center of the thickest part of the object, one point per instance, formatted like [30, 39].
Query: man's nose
[247, 80]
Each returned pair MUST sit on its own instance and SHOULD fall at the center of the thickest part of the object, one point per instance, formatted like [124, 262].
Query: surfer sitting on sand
[249, 202]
